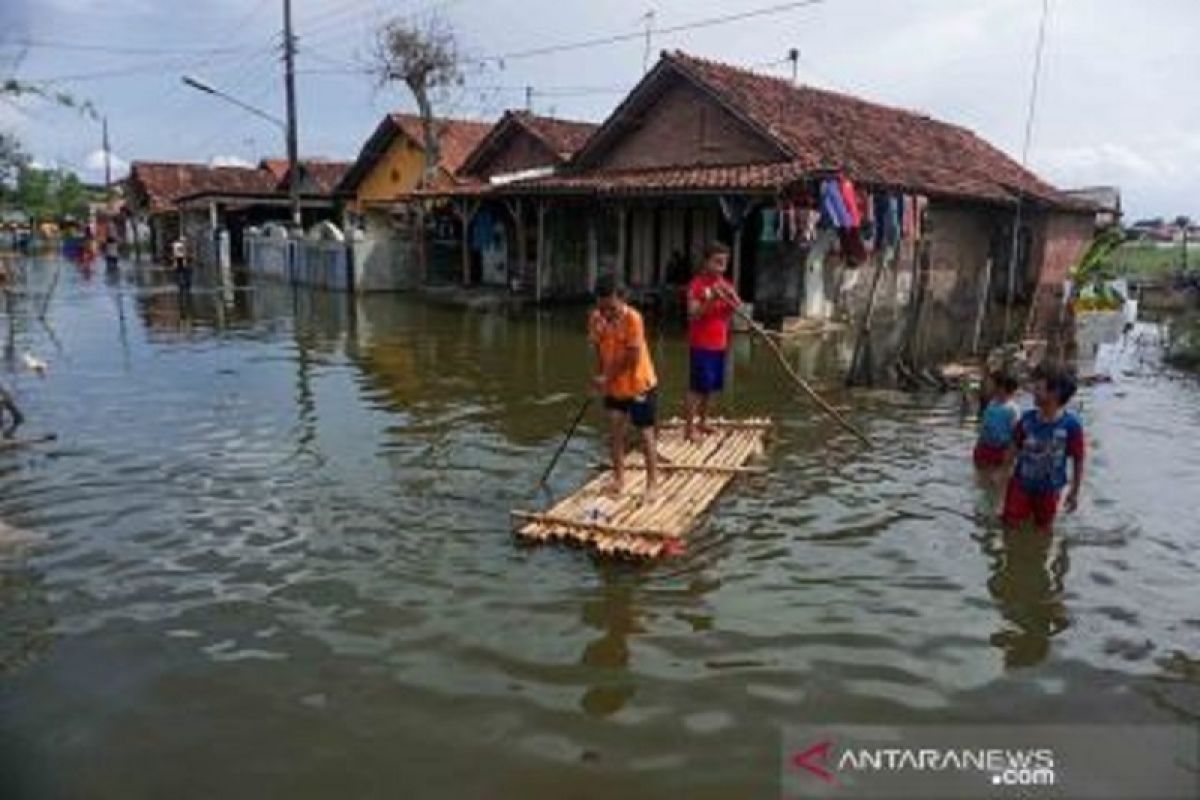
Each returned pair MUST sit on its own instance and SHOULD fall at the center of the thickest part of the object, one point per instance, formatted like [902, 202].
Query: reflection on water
[1028, 582]
[276, 561]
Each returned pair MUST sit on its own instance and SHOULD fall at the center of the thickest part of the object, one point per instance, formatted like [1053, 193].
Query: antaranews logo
[998, 766]
[954, 761]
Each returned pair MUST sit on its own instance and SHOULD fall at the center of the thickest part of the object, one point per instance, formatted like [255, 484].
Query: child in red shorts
[1044, 440]
[998, 422]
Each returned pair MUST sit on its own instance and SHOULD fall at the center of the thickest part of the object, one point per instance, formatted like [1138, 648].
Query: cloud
[229, 161]
[94, 161]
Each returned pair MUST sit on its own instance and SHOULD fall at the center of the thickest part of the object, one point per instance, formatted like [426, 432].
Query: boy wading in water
[711, 301]
[997, 424]
[625, 377]
[1044, 440]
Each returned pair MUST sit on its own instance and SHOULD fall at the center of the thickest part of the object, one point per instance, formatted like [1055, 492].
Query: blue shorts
[708, 371]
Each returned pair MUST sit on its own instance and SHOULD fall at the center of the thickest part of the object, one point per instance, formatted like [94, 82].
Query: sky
[1116, 101]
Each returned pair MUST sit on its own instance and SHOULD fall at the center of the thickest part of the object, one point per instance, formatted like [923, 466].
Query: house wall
[519, 151]
[398, 171]
[1060, 241]
[930, 291]
[685, 127]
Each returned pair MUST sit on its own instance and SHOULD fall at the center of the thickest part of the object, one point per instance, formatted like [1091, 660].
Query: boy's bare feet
[650, 496]
[614, 488]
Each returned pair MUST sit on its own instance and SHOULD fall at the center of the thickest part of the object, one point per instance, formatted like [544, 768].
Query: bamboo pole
[862, 345]
[50, 292]
[800, 382]
[721, 469]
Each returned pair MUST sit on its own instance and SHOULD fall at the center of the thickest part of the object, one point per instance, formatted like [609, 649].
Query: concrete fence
[326, 258]
[318, 258]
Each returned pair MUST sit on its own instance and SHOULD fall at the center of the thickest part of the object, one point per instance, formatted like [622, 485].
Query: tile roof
[163, 183]
[323, 176]
[663, 180]
[872, 143]
[458, 137]
[278, 167]
[563, 136]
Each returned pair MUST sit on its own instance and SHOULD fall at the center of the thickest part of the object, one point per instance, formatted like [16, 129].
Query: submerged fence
[319, 258]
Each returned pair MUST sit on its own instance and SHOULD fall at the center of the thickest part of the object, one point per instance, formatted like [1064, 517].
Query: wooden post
[981, 312]
[593, 253]
[622, 244]
[541, 250]
[737, 259]
[516, 211]
[466, 213]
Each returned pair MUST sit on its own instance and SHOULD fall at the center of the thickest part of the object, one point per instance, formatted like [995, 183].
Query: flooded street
[269, 556]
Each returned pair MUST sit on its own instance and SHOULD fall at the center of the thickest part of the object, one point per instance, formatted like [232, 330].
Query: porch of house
[555, 247]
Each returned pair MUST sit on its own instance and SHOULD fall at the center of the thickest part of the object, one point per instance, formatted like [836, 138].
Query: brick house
[701, 150]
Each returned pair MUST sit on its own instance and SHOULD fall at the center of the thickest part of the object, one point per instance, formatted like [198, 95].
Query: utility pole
[794, 57]
[289, 79]
[649, 17]
[529, 99]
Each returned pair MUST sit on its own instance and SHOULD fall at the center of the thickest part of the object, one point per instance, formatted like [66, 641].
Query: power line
[640, 34]
[120, 50]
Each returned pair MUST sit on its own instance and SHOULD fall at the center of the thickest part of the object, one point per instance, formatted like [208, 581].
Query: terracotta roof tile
[872, 143]
[164, 183]
[457, 137]
[563, 136]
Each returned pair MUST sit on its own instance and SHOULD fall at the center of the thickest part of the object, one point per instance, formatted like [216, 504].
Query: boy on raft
[626, 379]
[711, 303]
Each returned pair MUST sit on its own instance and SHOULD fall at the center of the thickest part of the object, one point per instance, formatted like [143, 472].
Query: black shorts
[642, 410]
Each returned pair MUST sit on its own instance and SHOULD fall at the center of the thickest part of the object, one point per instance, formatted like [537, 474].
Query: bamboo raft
[691, 477]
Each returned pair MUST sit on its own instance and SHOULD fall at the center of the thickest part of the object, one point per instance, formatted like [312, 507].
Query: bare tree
[424, 56]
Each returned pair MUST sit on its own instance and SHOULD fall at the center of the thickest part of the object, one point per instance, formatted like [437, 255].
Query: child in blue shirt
[999, 420]
[1044, 440]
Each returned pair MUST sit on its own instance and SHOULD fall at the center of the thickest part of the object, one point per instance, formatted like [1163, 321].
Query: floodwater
[269, 556]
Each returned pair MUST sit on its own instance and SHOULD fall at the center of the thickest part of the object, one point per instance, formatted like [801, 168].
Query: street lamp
[203, 86]
[208, 88]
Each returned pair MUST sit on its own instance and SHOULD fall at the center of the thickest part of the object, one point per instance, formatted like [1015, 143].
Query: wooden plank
[715, 468]
[554, 520]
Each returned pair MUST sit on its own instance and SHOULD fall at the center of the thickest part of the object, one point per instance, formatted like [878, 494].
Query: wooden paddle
[740, 310]
[587, 401]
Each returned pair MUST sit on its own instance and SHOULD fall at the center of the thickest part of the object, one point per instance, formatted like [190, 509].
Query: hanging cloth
[867, 229]
[482, 230]
[853, 250]
[879, 216]
[920, 204]
[734, 208]
[833, 206]
[770, 226]
[851, 201]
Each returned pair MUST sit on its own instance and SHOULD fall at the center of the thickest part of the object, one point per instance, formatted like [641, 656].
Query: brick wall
[519, 151]
[685, 127]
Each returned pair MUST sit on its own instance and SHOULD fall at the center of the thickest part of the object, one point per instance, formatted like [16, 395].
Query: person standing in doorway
[626, 379]
[112, 253]
[711, 302]
[183, 271]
